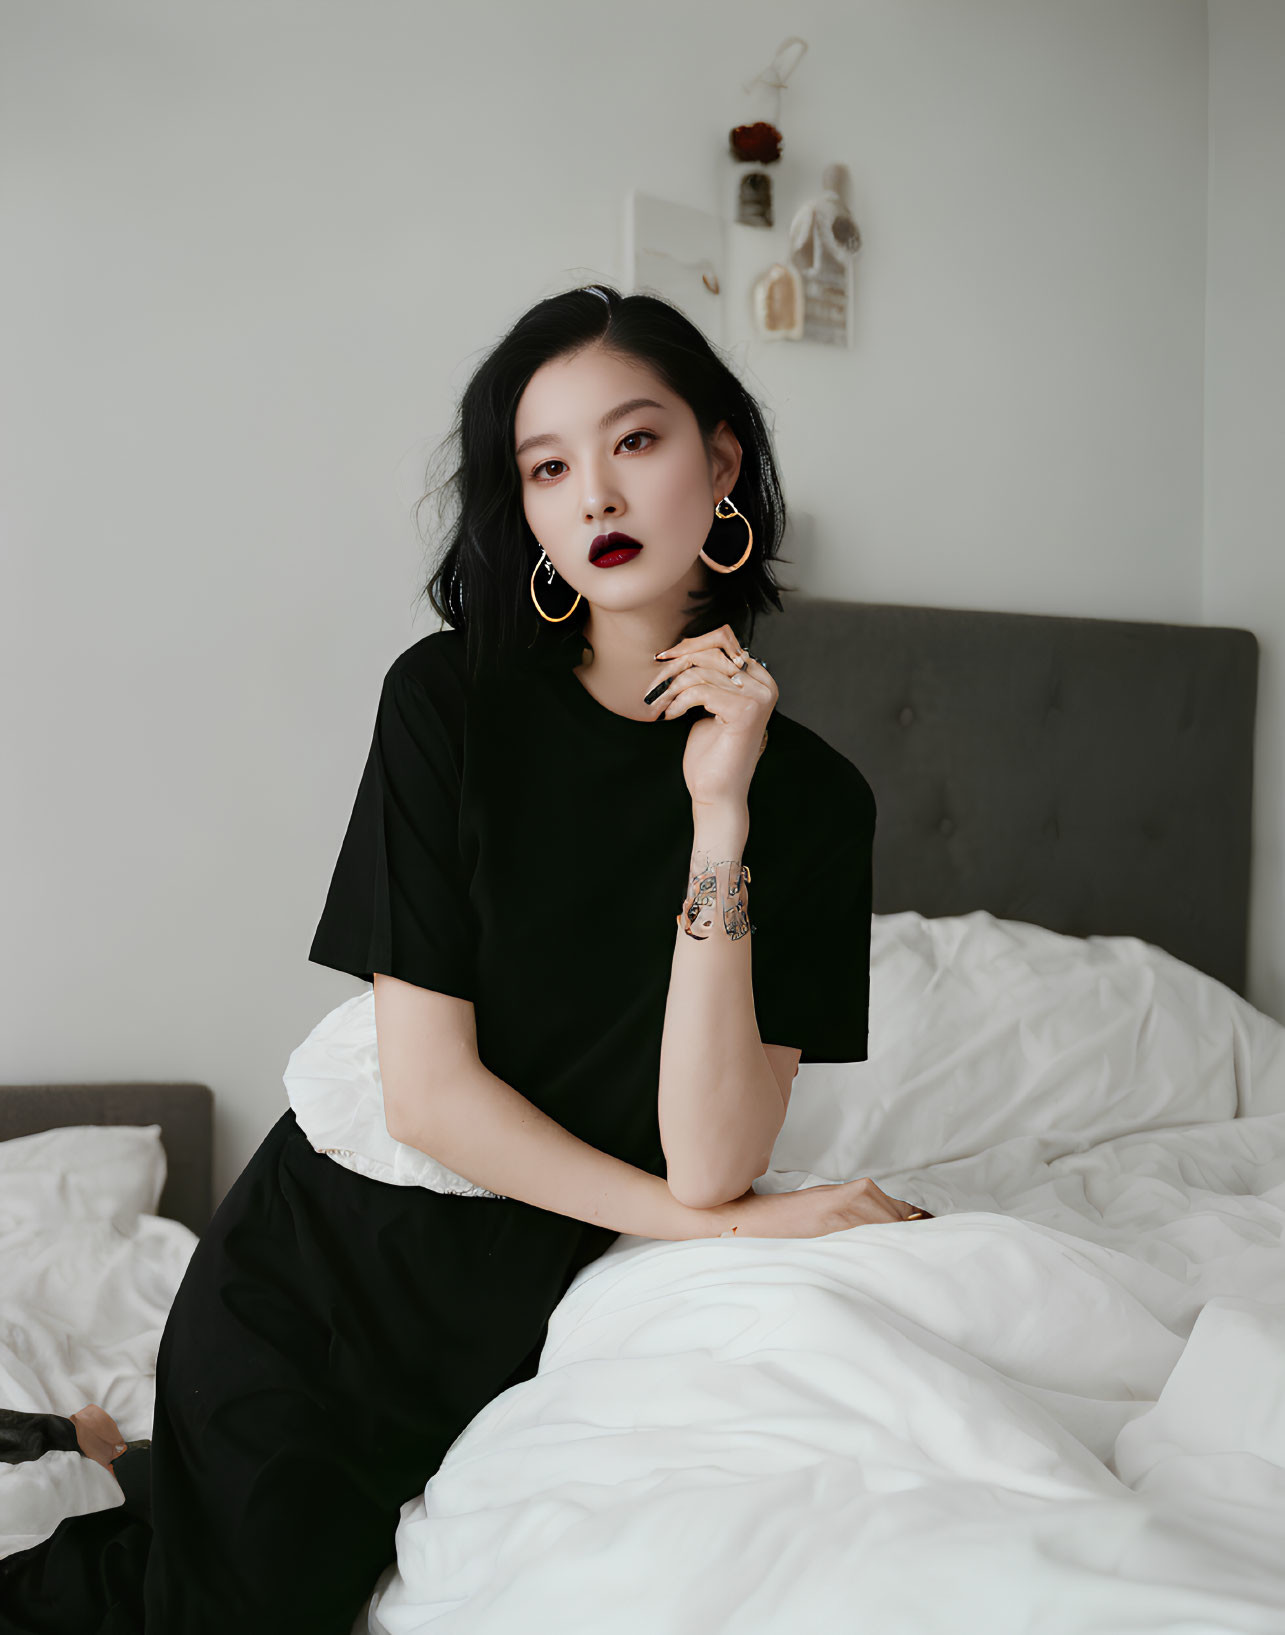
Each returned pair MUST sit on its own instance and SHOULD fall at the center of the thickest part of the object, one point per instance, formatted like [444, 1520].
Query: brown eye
[628, 438]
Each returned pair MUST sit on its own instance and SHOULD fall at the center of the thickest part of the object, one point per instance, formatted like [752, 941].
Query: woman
[546, 877]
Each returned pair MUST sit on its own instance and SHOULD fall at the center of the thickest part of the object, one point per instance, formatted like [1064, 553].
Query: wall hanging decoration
[757, 146]
[776, 303]
[824, 240]
[676, 251]
[754, 147]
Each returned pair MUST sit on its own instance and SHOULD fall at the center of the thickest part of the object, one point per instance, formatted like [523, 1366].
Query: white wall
[255, 251]
[1244, 556]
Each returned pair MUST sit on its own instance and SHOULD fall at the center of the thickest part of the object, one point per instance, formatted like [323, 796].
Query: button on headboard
[1094, 776]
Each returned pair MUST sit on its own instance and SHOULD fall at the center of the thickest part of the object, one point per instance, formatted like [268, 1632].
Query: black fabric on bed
[26, 1436]
[332, 1334]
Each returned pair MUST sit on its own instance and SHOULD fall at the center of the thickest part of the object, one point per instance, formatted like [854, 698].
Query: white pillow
[81, 1172]
[332, 1080]
[985, 1030]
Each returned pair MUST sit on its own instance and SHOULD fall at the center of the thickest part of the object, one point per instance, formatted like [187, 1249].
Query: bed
[1056, 1405]
[104, 1189]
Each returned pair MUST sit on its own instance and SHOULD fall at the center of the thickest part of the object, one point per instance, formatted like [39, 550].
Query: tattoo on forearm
[716, 888]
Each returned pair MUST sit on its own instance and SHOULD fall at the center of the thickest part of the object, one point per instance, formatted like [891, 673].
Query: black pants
[331, 1337]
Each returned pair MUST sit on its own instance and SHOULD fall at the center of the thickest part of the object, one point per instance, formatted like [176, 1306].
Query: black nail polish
[657, 690]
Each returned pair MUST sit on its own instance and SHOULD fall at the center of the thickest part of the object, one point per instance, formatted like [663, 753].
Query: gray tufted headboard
[1094, 776]
[1088, 775]
[183, 1111]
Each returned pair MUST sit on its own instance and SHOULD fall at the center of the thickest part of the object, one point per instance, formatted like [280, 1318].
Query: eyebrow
[609, 419]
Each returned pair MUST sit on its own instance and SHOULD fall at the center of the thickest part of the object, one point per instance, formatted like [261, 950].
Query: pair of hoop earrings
[718, 567]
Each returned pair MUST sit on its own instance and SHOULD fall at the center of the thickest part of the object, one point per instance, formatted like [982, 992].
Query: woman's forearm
[484, 1130]
[719, 1102]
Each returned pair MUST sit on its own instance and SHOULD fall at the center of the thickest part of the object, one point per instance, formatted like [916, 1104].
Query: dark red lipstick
[609, 549]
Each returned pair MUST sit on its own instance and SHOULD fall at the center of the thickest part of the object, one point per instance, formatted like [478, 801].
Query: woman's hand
[714, 670]
[98, 1435]
[811, 1212]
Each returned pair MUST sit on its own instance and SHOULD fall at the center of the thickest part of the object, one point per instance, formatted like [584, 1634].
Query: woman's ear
[726, 461]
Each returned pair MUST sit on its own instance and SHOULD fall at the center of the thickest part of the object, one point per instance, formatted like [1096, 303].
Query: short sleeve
[398, 902]
[810, 905]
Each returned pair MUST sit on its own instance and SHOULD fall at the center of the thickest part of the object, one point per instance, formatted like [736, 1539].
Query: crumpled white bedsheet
[88, 1272]
[336, 1093]
[1059, 1406]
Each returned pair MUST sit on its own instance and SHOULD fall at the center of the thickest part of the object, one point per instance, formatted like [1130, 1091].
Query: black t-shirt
[516, 843]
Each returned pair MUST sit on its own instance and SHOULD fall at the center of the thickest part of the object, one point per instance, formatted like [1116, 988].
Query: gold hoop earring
[720, 567]
[549, 616]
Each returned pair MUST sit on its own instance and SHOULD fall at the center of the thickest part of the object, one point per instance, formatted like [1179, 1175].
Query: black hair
[481, 583]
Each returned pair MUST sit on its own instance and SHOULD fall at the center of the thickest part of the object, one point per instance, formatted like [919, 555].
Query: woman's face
[645, 472]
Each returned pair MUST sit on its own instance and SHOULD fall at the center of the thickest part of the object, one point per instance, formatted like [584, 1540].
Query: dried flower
[757, 144]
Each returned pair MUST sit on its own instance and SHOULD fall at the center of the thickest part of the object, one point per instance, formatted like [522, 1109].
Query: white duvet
[1059, 1406]
[88, 1272]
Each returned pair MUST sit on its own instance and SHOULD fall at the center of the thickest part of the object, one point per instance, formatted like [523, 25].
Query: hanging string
[775, 76]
